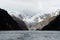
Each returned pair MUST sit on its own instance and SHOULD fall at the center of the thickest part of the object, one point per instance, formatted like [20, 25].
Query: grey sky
[30, 7]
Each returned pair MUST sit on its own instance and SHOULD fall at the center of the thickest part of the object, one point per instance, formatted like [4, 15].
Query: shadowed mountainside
[8, 23]
[53, 25]
[20, 22]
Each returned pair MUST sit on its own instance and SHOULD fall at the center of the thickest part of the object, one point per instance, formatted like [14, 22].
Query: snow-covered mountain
[47, 18]
[39, 18]
[33, 21]
[36, 19]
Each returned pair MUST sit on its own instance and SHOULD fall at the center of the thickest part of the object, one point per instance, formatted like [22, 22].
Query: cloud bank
[30, 7]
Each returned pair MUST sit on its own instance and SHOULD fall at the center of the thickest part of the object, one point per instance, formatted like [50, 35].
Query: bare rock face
[53, 25]
[8, 23]
[50, 23]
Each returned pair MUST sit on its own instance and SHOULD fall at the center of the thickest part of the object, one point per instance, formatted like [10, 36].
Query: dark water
[29, 35]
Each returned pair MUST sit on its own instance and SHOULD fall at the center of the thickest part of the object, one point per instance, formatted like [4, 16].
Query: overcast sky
[30, 7]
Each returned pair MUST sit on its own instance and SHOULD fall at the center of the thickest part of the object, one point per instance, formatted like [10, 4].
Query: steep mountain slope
[7, 22]
[38, 21]
[54, 24]
[47, 21]
[20, 22]
[35, 20]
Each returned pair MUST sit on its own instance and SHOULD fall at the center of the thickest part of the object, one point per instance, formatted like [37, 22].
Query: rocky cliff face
[52, 23]
[43, 25]
[45, 22]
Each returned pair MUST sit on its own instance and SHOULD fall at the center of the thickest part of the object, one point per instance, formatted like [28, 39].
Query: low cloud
[32, 6]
